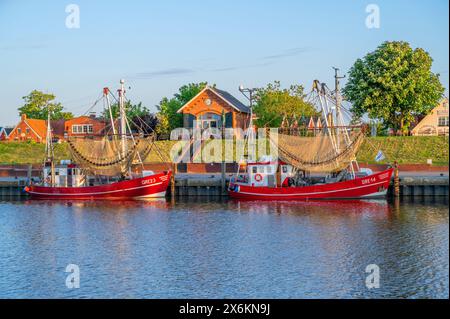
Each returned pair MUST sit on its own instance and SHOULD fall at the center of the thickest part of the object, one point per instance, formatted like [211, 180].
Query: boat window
[269, 170]
[69, 171]
[285, 170]
[254, 169]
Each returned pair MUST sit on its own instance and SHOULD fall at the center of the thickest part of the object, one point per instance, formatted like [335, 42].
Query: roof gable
[443, 105]
[38, 126]
[233, 101]
[224, 96]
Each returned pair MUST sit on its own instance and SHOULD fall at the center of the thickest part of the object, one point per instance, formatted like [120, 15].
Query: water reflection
[219, 248]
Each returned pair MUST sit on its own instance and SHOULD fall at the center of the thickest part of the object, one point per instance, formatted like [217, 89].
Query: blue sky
[157, 46]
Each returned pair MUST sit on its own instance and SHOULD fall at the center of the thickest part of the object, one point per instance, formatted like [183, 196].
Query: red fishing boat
[105, 167]
[258, 186]
[137, 188]
[320, 164]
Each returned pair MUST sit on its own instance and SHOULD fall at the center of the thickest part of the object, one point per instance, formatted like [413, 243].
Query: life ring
[258, 177]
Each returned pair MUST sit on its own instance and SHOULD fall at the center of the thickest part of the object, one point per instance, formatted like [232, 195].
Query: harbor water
[220, 248]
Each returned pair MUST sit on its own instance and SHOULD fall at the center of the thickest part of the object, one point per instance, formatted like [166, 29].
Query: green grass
[34, 153]
[29, 153]
[405, 150]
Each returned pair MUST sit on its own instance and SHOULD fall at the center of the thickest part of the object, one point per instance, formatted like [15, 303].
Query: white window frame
[445, 121]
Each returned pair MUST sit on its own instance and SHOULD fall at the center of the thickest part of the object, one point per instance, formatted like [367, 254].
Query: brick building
[214, 108]
[29, 130]
[435, 123]
[36, 130]
[84, 125]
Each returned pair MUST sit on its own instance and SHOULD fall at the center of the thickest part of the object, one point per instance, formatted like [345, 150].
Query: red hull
[139, 188]
[372, 186]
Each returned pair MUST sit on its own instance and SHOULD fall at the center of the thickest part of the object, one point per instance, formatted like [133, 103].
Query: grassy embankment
[406, 150]
[33, 153]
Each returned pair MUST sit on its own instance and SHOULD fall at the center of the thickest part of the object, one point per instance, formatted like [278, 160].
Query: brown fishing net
[319, 153]
[104, 156]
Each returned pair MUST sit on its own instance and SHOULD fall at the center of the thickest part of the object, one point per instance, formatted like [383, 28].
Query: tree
[140, 118]
[168, 117]
[146, 123]
[394, 83]
[273, 103]
[37, 104]
[131, 110]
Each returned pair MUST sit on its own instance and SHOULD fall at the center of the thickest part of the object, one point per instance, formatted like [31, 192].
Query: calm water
[224, 249]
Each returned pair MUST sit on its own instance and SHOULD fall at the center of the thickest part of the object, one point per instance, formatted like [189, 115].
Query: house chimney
[23, 117]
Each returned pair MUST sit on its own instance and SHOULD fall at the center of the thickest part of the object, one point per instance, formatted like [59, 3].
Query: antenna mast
[338, 99]
[49, 147]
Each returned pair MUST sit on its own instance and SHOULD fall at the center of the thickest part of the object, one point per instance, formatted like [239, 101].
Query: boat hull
[138, 189]
[373, 186]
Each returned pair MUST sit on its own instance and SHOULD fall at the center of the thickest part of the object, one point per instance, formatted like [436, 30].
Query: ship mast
[337, 97]
[340, 120]
[123, 120]
[49, 147]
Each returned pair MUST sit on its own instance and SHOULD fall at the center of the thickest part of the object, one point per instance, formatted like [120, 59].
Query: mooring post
[396, 180]
[224, 168]
[29, 174]
[172, 180]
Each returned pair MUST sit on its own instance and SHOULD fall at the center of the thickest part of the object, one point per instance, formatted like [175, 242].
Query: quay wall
[34, 170]
[199, 185]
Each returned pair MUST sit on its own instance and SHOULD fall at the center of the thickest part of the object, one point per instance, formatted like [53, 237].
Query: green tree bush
[273, 103]
[37, 104]
[394, 83]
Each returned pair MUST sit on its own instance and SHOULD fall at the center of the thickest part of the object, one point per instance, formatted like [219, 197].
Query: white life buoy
[258, 177]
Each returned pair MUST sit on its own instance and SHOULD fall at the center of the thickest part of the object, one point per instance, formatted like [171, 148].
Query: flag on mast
[380, 156]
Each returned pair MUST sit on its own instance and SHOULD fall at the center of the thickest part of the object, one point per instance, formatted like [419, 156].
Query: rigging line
[70, 101]
[375, 148]
[95, 103]
[166, 160]
[143, 122]
[113, 96]
[134, 142]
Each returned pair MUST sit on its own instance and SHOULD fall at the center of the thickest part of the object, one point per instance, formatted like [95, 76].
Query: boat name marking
[148, 181]
[368, 180]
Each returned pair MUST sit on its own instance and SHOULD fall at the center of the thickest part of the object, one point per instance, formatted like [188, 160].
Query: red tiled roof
[39, 126]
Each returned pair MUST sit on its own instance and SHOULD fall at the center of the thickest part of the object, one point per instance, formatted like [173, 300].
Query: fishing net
[105, 156]
[321, 153]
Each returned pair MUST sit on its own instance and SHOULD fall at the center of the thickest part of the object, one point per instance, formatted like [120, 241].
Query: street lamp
[249, 94]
